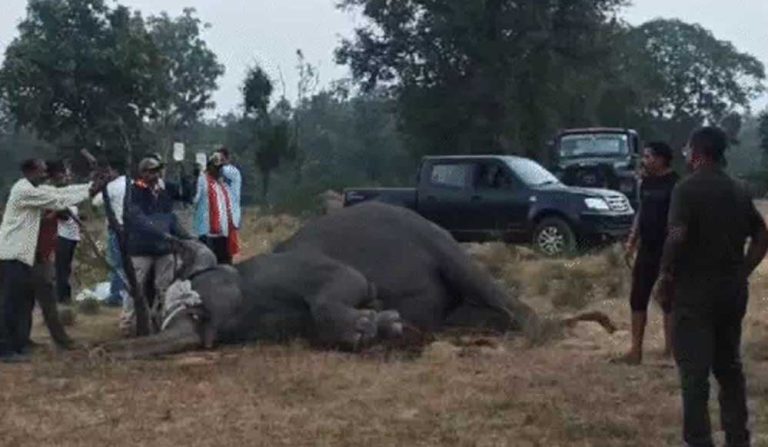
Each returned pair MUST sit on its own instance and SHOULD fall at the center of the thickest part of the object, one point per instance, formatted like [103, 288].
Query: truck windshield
[530, 172]
[594, 145]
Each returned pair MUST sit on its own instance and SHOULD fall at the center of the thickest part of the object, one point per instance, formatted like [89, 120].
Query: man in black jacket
[149, 220]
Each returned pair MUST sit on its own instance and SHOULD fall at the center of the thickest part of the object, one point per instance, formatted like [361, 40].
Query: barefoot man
[647, 239]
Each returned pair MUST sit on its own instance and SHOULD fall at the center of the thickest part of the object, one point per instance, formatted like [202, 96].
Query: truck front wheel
[554, 237]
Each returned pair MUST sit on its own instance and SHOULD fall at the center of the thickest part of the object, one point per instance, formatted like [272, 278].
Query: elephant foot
[389, 324]
[371, 326]
[364, 329]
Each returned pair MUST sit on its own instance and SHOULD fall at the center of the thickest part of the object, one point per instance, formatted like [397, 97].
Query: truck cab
[598, 157]
[514, 199]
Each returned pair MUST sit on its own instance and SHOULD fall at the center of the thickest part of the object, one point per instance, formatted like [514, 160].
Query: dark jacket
[149, 218]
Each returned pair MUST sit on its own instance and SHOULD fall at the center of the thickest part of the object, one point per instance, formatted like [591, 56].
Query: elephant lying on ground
[417, 267]
[345, 280]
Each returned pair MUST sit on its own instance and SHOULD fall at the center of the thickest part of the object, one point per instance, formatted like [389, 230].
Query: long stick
[136, 291]
[139, 299]
[95, 248]
[93, 162]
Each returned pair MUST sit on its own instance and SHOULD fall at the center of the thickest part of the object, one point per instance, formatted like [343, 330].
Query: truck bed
[405, 197]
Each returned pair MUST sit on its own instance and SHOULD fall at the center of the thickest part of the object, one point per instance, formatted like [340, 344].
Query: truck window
[594, 145]
[449, 175]
[491, 175]
[530, 172]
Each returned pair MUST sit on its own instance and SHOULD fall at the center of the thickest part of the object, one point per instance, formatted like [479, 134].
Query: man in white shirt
[68, 235]
[116, 191]
[19, 234]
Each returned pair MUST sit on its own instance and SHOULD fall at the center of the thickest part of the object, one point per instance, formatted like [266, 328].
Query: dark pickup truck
[514, 199]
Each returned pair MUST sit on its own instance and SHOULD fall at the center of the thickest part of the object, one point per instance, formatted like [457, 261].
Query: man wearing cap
[149, 221]
[214, 222]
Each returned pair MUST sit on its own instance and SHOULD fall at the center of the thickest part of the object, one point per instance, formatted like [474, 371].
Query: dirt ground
[488, 392]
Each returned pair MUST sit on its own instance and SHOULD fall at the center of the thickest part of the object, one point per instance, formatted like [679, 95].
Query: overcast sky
[270, 31]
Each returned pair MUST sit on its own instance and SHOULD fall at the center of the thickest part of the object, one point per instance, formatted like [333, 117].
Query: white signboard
[178, 151]
[201, 159]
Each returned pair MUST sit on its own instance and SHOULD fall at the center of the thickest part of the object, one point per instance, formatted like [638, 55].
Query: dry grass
[564, 394]
[556, 284]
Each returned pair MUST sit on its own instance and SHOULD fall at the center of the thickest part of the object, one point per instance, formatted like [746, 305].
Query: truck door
[444, 192]
[499, 201]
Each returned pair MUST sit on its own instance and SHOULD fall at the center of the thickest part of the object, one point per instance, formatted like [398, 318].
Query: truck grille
[618, 203]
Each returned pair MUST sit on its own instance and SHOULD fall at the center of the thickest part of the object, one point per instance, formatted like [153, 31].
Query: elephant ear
[195, 257]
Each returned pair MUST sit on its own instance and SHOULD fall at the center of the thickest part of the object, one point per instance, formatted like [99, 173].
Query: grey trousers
[163, 269]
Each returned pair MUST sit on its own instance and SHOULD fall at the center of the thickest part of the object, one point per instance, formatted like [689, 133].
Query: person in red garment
[214, 220]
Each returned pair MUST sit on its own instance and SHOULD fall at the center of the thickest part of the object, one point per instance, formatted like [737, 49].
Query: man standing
[647, 238]
[116, 191]
[234, 182]
[710, 219]
[149, 220]
[68, 235]
[20, 251]
[214, 214]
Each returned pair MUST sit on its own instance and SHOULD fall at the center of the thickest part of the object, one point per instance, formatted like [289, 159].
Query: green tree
[270, 129]
[480, 75]
[16, 144]
[190, 72]
[685, 77]
[763, 132]
[732, 124]
[81, 73]
[257, 93]
[307, 83]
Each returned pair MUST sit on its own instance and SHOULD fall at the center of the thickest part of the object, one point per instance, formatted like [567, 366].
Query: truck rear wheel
[554, 237]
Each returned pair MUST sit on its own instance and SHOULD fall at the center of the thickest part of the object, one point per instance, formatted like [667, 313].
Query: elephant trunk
[182, 336]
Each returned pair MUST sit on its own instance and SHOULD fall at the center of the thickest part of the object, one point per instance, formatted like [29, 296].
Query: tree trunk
[265, 174]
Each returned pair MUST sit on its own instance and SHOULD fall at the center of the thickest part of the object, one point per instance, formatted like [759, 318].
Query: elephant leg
[470, 315]
[477, 287]
[425, 305]
[339, 319]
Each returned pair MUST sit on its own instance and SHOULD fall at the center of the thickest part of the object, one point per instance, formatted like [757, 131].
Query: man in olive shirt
[710, 219]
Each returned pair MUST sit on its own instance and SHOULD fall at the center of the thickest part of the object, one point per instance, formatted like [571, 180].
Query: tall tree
[479, 75]
[686, 77]
[190, 72]
[82, 73]
[16, 145]
[763, 133]
[270, 129]
[308, 81]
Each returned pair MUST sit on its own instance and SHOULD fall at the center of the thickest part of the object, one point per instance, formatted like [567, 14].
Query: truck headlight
[597, 204]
